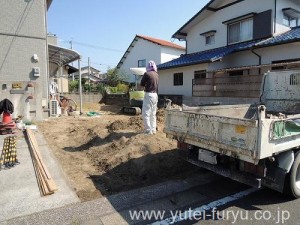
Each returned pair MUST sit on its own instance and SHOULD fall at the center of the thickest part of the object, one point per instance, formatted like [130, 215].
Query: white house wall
[283, 52]
[235, 60]
[196, 42]
[23, 34]
[168, 54]
[281, 4]
[166, 80]
[142, 50]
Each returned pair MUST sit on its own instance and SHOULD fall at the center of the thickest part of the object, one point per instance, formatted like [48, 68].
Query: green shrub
[87, 87]
[101, 88]
[73, 85]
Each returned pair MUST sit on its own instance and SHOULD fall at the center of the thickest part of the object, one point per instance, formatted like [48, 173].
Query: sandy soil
[109, 154]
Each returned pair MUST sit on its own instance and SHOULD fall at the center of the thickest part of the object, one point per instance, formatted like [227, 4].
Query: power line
[99, 64]
[92, 46]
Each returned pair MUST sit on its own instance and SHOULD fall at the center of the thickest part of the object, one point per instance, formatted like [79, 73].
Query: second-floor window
[290, 21]
[210, 39]
[178, 79]
[240, 31]
[142, 63]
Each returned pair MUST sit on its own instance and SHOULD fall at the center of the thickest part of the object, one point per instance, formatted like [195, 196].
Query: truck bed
[239, 131]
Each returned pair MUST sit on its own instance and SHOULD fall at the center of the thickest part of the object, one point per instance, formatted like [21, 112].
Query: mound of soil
[109, 154]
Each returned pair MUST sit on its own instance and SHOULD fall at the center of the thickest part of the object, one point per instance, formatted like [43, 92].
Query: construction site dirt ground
[108, 154]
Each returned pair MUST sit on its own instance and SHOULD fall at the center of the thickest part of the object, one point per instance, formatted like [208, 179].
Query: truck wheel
[294, 178]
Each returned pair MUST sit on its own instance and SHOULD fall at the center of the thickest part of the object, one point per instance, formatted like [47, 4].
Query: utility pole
[71, 46]
[89, 71]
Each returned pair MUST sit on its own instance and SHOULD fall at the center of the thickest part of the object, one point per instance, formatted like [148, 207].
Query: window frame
[142, 62]
[287, 20]
[240, 22]
[210, 37]
[200, 74]
[235, 73]
[178, 79]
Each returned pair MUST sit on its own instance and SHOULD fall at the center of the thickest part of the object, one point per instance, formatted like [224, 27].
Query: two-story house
[28, 59]
[144, 48]
[230, 44]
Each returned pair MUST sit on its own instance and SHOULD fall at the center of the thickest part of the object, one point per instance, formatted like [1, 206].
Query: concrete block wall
[86, 98]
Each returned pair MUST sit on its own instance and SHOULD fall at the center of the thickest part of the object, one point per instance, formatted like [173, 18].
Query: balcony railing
[229, 86]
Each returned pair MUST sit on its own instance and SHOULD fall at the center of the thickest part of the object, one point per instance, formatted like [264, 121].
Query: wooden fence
[229, 86]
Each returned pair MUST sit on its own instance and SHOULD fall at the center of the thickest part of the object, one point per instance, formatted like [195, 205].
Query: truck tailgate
[236, 137]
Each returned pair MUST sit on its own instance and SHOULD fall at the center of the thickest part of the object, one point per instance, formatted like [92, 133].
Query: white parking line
[223, 201]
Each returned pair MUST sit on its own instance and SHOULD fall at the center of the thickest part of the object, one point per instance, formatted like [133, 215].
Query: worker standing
[150, 84]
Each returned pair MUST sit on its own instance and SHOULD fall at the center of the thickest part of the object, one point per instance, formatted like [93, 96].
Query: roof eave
[49, 3]
[180, 36]
[275, 44]
[245, 49]
[178, 32]
[206, 7]
[184, 65]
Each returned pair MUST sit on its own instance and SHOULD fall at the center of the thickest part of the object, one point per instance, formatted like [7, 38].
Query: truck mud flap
[234, 175]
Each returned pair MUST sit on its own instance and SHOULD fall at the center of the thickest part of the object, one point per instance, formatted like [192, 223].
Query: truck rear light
[255, 169]
[183, 145]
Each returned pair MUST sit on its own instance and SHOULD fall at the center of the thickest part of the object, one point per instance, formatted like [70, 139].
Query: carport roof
[61, 56]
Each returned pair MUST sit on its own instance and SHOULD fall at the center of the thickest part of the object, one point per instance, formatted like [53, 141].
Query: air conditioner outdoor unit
[54, 108]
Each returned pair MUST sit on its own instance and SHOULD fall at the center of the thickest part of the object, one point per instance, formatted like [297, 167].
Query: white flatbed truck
[255, 144]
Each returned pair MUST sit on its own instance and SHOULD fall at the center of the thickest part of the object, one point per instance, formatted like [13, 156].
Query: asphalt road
[204, 198]
[260, 207]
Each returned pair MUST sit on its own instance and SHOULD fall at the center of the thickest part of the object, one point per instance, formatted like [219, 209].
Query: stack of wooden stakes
[46, 183]
[8, 158]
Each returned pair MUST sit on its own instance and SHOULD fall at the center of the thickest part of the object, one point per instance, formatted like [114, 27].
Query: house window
[200, 74]
[210, 39]
[286, 64]
[236, 73]
[240, 31]
[290, 21]
[142, 63]
[295, 79]
[178, 79]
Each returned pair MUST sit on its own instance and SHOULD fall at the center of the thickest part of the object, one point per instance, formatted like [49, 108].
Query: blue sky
[103, 29]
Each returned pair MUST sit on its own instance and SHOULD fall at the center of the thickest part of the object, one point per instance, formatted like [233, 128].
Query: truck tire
[293, 181]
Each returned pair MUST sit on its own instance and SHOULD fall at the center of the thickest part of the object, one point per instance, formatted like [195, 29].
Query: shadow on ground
[147, 170]
[98, 141]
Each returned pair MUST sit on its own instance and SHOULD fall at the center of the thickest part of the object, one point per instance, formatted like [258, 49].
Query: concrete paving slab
[20, 195]
[115, 209]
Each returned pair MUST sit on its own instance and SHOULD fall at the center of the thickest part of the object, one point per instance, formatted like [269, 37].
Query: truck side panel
[235, 137]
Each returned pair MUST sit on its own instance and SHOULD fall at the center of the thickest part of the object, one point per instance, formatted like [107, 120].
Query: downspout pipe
[259, 59]
[80, 86]
[275, 17]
